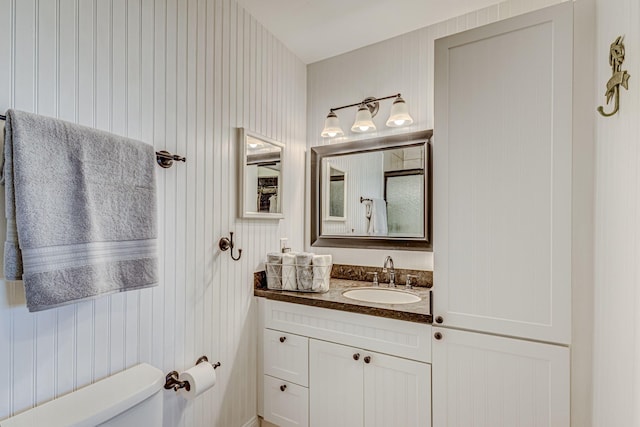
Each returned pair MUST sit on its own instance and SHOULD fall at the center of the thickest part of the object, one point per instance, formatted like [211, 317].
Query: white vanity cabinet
[503, 222]
[362, 370]
[355, 387]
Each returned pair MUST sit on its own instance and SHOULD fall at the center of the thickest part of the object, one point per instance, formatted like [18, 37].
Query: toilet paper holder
[172, 380]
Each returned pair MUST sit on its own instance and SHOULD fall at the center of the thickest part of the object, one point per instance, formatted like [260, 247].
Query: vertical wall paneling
[402, 64]
[146, 57]
[182, 75]
[616, 374]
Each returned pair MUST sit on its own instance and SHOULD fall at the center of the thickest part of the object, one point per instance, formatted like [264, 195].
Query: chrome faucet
[388, 263]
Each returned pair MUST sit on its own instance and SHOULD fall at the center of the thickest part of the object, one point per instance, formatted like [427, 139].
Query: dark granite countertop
[414, 312]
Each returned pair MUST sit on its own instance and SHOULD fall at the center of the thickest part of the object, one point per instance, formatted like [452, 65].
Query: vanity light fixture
[332, 126]
[364, 120]
[399, 114]
[367, 109]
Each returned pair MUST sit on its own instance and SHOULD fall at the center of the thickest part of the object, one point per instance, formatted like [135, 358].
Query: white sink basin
[381, 295]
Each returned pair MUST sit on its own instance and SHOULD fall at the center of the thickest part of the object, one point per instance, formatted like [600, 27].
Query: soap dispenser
[284, 245]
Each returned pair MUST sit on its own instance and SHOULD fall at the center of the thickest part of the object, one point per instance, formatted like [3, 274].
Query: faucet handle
[409, 278]
[375, 277]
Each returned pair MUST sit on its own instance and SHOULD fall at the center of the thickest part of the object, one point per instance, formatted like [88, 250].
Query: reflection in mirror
[391, 185]
[336, 186]
[381, 183]
[261, 176]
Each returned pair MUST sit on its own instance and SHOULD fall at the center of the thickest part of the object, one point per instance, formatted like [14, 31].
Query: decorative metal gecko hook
[619, 77]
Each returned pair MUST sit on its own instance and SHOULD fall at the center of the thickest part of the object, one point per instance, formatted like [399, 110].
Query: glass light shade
[331, 126]
[399, 114]
[364, 122]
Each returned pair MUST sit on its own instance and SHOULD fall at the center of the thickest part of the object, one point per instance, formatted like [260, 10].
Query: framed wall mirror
[373, 193]
[261, 176]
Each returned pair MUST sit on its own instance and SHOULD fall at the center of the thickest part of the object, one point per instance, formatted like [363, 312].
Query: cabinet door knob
[283, 339]
[283, 387]
[437, 336]
[356, 356]
[439, 319]
[367, 359]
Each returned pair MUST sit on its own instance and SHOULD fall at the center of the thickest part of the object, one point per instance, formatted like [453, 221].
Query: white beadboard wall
[616, 355]
[403, 64]
[181, 74]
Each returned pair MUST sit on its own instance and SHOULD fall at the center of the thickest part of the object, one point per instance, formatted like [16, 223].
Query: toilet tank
[132, 398]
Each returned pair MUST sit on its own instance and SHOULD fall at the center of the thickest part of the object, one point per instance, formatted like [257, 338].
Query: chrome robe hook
[225, 243]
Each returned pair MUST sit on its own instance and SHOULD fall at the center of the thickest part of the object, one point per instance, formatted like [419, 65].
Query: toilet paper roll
[201, 378]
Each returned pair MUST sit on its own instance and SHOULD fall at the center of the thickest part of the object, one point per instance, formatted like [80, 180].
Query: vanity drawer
[286, 356]
[395, 337]
[285, 404]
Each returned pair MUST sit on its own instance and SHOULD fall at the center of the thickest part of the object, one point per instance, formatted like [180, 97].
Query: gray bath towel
[80, 208]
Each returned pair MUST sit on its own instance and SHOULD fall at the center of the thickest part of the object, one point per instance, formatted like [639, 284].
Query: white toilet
[131, 398]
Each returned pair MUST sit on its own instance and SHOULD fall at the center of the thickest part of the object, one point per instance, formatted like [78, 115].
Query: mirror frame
[242, 168]
[318, 153]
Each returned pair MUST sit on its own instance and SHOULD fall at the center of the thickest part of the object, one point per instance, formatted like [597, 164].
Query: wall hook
[619, 78]
[225, 243]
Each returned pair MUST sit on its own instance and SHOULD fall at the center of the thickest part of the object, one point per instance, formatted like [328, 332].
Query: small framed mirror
[261, 176]
[335, 193]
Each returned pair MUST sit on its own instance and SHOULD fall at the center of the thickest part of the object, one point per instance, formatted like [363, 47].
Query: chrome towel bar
[164, 158]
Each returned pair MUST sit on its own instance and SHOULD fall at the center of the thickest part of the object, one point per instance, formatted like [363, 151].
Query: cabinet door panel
[502, 177]
[397, 392]
[481, 380]
[335, 385]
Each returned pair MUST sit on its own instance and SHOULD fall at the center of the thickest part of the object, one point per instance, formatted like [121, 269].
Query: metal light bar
[366, 101]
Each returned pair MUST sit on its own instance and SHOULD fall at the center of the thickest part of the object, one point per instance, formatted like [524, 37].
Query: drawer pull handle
[283, 339]
[367, 359]
[356, 356]
[437, 336]
[439, 319]
[283, 387]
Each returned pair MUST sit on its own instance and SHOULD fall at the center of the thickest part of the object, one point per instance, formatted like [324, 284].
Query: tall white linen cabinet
[502, 223]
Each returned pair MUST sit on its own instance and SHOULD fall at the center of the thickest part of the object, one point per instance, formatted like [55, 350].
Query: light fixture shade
[364, 121]
[331, 126]
[399, 114]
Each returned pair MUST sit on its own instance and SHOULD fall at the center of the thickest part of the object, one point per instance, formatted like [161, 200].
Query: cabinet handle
[367, 359]
[283, 387]
[439, 319]
[283, 339]
[356, 356]
[437, 336]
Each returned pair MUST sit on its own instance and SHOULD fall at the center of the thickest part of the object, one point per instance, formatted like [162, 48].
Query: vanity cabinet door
[335, 385]
[354, 387]
[397, 392]
[483, 380]
[502, 177]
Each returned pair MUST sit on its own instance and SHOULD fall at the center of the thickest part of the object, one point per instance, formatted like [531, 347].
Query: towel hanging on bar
[164, 158]
[81, 211]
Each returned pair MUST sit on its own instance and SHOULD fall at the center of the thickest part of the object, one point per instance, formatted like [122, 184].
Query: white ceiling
[319, 29]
